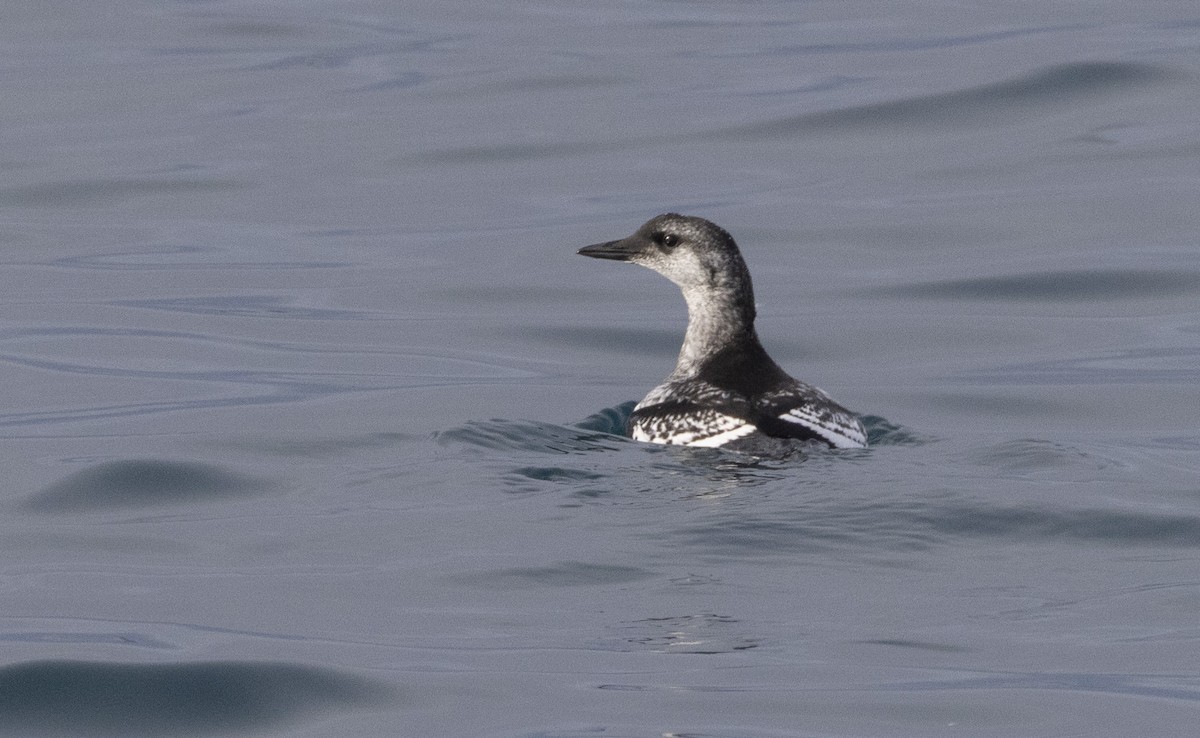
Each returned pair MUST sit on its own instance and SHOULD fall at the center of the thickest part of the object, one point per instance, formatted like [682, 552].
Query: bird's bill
[621, 250]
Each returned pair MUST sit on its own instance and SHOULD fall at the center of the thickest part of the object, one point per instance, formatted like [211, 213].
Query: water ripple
[255, 306]
[1051, 87]
[565, 574]
[883, 432]
[510, 435]
[344, 56]
[104, 192]
[1134, 366]
[182, 257]
[1056, 286]
[1158, 686]
[606, 429]
[705, 634]
[882, 45]
[1048, 88]
[610, 420]
[897, 525]
[174, 357]
[117, 639]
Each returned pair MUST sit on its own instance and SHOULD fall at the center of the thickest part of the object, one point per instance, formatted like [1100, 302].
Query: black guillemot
[725, 391]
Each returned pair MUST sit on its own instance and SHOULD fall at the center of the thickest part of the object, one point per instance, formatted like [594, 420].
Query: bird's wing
[806, 412]
[687, 424]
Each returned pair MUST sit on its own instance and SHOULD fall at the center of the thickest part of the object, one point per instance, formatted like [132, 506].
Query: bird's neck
[717, 321]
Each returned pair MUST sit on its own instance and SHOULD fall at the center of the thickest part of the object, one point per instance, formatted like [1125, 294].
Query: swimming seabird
[725, 390]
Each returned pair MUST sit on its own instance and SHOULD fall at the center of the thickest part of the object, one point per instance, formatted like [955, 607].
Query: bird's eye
[668, 240]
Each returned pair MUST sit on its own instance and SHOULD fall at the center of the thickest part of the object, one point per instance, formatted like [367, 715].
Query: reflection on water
[119, 699]
[143, 483]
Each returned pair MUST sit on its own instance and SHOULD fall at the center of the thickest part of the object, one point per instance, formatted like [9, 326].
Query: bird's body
[725, 390]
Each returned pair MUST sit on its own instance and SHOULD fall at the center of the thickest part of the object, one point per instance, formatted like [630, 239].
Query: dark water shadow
[87, 698]
[1056, 524]
[141, 483]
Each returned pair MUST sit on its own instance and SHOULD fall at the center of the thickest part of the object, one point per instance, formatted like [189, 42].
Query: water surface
[313, 415]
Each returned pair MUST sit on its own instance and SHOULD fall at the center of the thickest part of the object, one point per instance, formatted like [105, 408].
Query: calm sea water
[311, 413]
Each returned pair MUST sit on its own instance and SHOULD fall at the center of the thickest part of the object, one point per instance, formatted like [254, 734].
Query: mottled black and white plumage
[725, 390]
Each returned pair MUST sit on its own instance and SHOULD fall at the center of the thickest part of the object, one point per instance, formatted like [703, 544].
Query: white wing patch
[694, 413]
[708, 428]
[839, 429]
[734, 433]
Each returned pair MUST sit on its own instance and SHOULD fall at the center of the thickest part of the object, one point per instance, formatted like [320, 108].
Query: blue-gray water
[306, 393]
